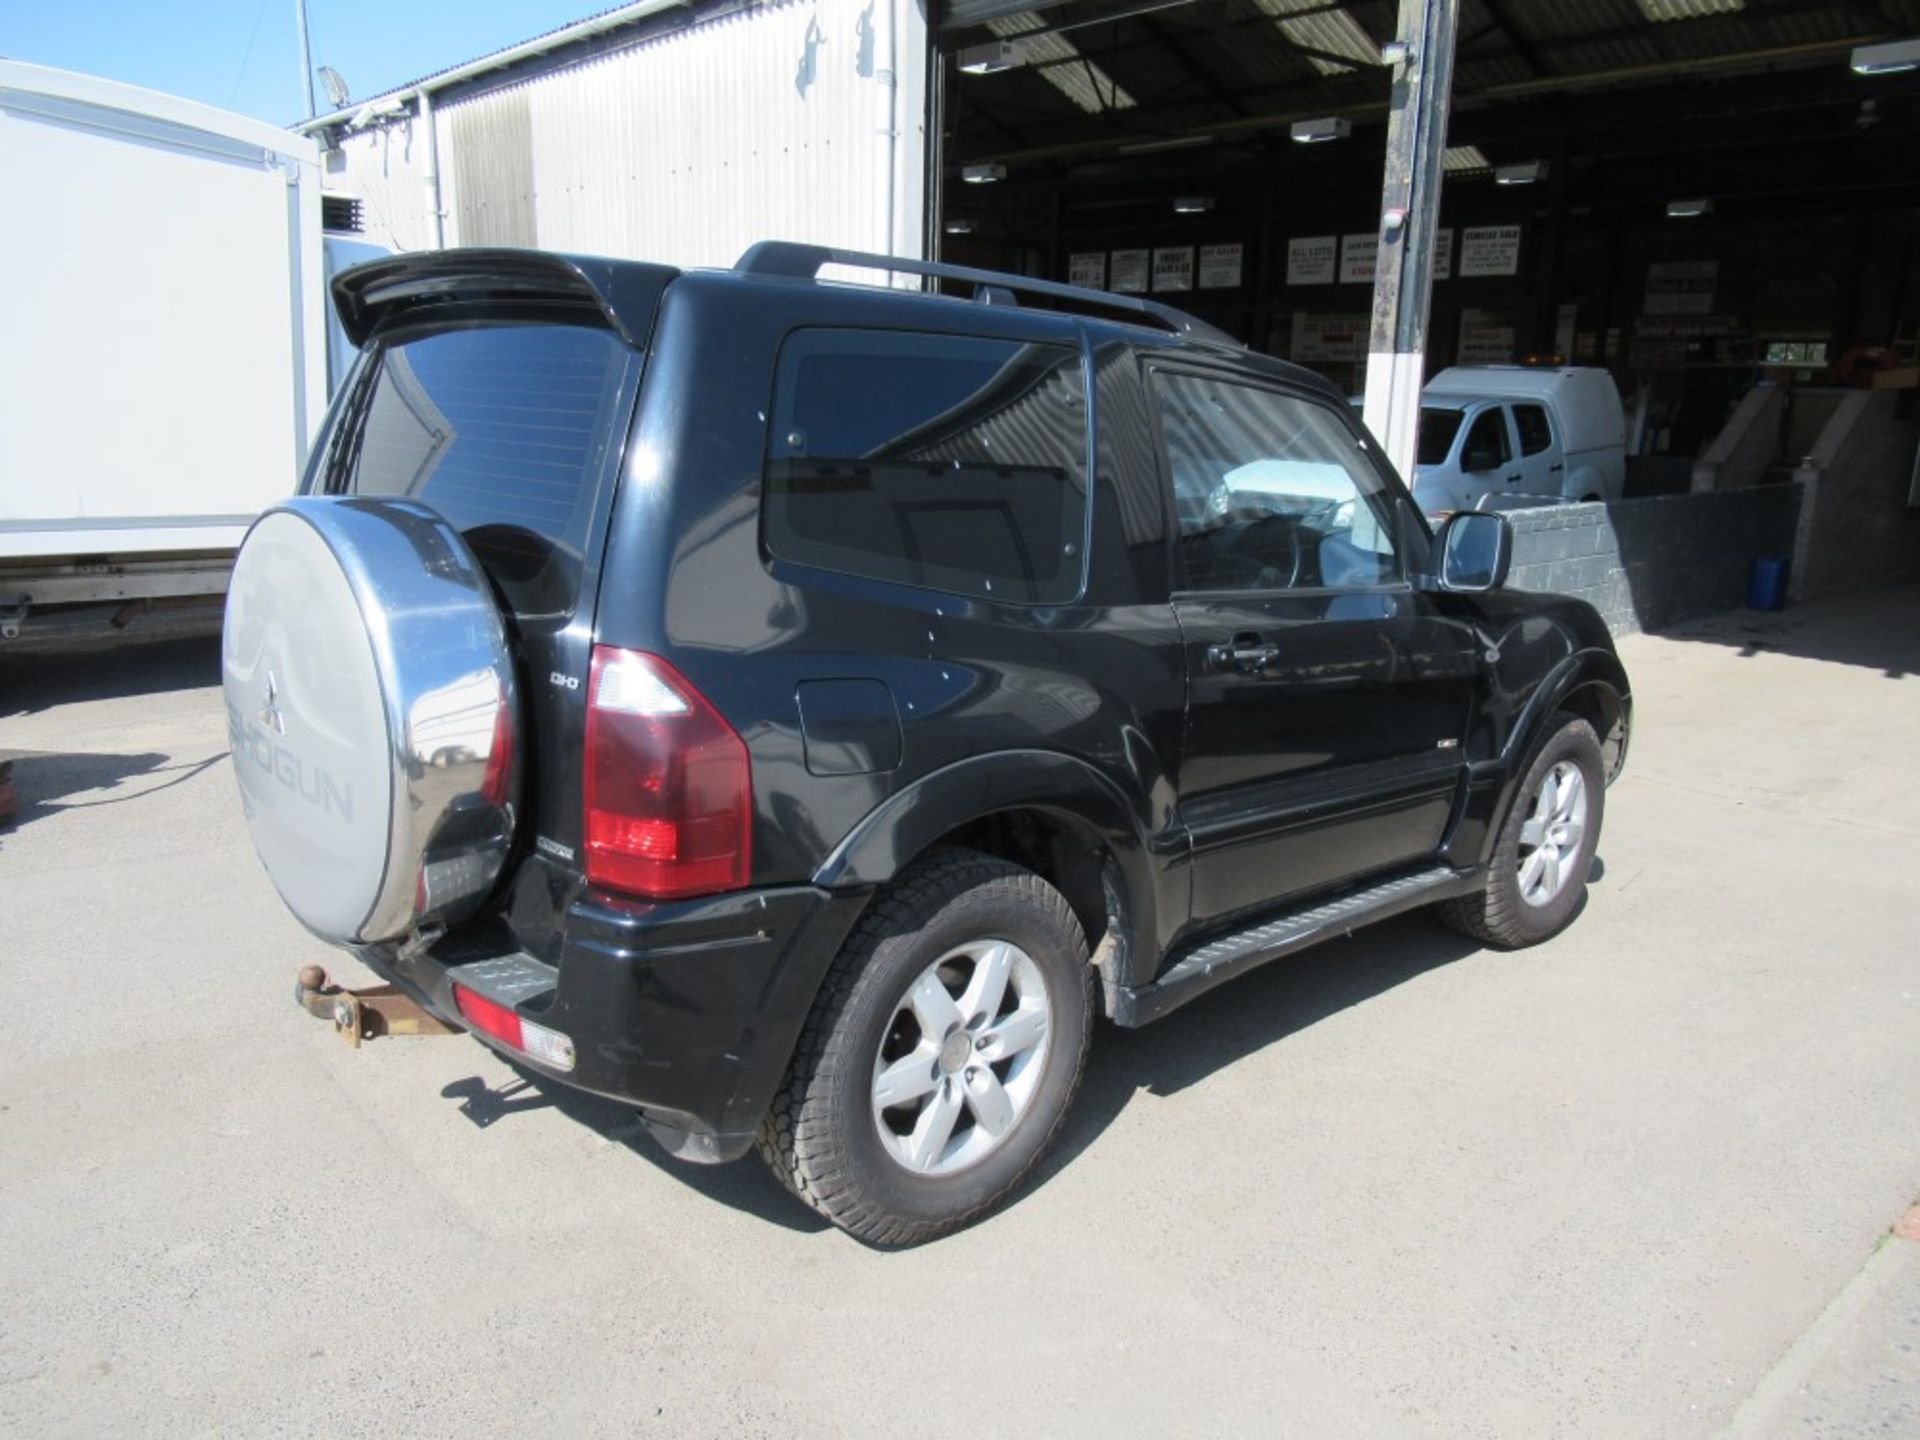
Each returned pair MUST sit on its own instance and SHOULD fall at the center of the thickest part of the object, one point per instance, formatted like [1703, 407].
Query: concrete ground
[1638, 1182]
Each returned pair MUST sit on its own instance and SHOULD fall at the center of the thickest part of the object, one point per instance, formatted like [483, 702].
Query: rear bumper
[689, 1011]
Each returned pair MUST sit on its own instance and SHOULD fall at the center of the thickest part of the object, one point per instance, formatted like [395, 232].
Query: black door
[1326, 698]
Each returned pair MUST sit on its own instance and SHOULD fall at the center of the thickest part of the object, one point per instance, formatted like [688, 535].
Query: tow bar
[364, 1014]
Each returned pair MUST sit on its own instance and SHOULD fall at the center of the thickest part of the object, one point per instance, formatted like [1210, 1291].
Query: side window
[1487, 444]
[1536, 434]
[943, 461]
[1272, 492]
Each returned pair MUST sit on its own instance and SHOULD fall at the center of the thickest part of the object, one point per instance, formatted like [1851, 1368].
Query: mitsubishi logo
[270, 715]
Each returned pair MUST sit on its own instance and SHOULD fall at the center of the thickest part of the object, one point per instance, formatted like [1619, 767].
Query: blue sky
[245, 54]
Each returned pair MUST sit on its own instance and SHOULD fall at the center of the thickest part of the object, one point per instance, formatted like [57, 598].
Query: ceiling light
[1313, 132]
[958, 227]
[1688, 209]
[1888, 59]
[1523, 174]
[983, 174]
[992, 57]
[1193, 205]
[1457, 158]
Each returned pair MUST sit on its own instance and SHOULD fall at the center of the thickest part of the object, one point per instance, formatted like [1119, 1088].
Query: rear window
[945, 462]
[506, 430]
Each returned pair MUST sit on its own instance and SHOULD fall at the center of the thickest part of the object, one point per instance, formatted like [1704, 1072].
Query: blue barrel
[1767, 583]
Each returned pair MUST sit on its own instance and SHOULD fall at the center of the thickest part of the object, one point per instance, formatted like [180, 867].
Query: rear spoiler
[626, 293]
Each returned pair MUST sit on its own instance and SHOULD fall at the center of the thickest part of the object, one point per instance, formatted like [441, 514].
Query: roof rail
[803, 262]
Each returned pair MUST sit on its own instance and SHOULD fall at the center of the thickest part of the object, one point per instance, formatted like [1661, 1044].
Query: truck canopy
[1584, 400]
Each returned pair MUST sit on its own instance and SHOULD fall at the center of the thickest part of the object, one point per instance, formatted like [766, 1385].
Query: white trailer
[163, 359]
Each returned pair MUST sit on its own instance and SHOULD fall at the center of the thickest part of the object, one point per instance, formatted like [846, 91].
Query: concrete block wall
[1645, 564]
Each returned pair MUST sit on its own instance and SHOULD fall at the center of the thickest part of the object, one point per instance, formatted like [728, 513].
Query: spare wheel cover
[372, 714]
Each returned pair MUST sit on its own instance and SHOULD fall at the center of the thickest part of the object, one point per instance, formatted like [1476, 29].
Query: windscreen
[506, 430]
[1438, 426]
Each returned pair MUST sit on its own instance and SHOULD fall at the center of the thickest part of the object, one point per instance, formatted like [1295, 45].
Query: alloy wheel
[961, 1057]
[1552, 834]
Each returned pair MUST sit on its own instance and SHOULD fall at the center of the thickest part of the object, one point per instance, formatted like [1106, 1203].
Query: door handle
[1556, 465]
[1245, 654]
[1513, 477]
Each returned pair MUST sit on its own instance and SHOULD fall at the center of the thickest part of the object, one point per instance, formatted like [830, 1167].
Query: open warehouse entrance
[1718, 201]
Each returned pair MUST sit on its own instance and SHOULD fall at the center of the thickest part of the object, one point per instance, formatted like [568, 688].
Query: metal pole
[306, 57]
[430, 172]
[1410, 213]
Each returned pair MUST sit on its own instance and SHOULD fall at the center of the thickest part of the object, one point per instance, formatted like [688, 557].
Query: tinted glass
[1437, 429]
[1272, 492]
[1487, 442]
[505, 430]
[946, 462]
[1535, 433]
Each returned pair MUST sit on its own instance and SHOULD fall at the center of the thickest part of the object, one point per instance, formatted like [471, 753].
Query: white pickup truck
[1499, 437]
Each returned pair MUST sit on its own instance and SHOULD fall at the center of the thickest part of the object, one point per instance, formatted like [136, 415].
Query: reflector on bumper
[537, 1042]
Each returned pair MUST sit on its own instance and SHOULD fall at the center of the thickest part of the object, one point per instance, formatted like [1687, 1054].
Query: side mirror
[1480, 457]
[1476, 550]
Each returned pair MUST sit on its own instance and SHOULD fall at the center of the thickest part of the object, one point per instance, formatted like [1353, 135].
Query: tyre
[1538, 873]
[371, 714]
[941, 1055]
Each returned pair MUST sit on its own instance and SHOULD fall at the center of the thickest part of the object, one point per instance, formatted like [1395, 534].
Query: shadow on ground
[1878, 629]
[746, 1185]
[1186, 1048]
[32, 680]
[43, 781]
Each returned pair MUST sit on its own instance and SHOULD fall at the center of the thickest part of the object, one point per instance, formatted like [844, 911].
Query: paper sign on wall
[1173, 268]
[1490, 250]
[1323, 338]
[1088, 269]
[1310, 259]
[1485, 338]
[1568, 316]
[1443, 254]
[1680, 287]
[1130, 271]
[1357, 256]
[1219, 267]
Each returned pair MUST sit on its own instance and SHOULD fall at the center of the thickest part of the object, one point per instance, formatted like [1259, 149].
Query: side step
[1218, 961]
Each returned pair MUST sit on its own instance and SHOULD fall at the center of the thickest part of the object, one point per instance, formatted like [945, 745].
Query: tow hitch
[364, 1014]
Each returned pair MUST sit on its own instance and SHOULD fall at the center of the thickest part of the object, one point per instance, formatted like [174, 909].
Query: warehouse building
[1716, 200]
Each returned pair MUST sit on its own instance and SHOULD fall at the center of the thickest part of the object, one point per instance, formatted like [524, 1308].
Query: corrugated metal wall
[386, 168]
[767, 123]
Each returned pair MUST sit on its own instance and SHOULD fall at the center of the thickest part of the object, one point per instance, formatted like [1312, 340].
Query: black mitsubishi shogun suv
[799, 708]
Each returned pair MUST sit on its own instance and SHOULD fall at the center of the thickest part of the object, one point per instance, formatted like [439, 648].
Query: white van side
[1496, 437]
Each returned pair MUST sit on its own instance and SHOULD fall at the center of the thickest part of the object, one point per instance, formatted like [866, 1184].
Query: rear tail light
[669, 793]
[537, 1042]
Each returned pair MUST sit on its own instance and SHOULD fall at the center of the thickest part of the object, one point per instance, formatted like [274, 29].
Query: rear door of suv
[1327, 697]
[510, 420]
